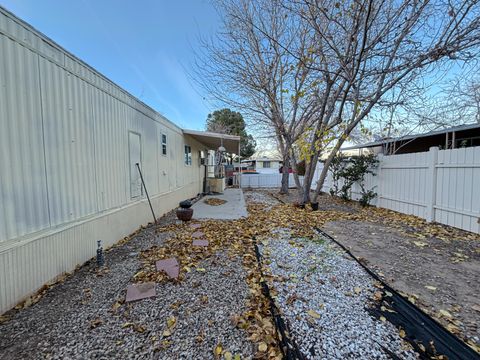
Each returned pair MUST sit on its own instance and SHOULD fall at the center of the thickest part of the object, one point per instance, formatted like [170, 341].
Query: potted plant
[185, 211]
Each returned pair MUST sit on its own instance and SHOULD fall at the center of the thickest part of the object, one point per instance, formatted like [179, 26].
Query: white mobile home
[70, 140]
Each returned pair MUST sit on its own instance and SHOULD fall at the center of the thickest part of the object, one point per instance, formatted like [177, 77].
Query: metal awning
[414, 136]
[214, 140]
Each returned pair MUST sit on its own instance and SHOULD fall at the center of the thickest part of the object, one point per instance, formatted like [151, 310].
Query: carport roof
[214, 140]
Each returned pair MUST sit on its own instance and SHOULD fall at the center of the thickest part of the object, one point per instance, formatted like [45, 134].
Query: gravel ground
[324, 296]
[440, 275]
[260, 197]
[85, 317]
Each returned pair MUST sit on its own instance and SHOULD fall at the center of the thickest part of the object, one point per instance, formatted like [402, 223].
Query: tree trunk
[298, 185]
[308, 179]
[326, 165]
[285, 174]
[321, 180]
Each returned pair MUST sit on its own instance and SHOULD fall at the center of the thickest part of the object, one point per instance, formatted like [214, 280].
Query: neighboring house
[452, 138]
[266, 161]
[70, 142]
[267, 165]
[262, 165]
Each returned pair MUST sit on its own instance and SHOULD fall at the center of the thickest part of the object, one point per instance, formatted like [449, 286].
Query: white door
[135, 158]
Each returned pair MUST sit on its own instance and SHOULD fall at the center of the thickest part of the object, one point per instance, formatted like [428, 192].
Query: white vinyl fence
[265, 180]
[438, 185]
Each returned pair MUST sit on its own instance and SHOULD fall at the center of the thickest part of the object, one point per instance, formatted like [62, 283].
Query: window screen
[164, 144]
[188, 155]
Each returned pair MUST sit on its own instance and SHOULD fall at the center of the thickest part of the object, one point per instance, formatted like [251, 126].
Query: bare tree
[458, 102]
[364, 49]
[257, 65]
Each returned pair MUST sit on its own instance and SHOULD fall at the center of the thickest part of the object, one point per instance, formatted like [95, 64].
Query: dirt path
[437, 266]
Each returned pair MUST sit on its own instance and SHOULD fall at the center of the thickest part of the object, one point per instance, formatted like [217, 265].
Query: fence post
[431, 183]
[379, 180]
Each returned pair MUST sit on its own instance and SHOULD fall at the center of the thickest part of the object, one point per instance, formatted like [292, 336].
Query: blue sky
[144, 45]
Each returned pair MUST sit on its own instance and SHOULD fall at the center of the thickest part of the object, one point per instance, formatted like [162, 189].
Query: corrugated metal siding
[66, 144]
[110, 140]
[69, 145]
[23, 269]
[23, 192]
[64, 161]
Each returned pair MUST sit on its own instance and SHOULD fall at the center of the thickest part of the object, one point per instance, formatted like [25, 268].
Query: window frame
[266, 162]
[187, 156]
[163, 144]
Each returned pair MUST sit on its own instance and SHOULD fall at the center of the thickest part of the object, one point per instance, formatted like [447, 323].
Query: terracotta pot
[184, 214]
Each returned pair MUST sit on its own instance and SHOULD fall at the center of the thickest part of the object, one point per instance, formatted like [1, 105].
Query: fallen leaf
[218, 350]
[420, 244]
[453, 329]
[262, 347]
[116, 306]
[382, 318]
[139, 328]
[402, 333]
[377, 296]
[357, 290]
[95, 323]
[171, 322]
[384, 308]
[227, 355]
[313, 314]
[446, 314]
[432, 288]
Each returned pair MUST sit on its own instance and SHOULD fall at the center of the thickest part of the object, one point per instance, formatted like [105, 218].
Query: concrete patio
[233, 209]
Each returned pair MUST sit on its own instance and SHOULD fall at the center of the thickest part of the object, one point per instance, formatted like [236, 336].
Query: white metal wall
[64, 161]
[438, 185]
[64, 137]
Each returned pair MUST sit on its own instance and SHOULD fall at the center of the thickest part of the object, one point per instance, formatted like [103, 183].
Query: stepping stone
[200, 243]
[195, 226]
[170, 266]
[197, 234]
[140, 291]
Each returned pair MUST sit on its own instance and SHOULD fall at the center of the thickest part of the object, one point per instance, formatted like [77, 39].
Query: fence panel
[458, 188]
[265, 180]
[402, 183]
[437, 185]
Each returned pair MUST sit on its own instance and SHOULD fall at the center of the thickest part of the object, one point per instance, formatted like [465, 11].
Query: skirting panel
[31, 262]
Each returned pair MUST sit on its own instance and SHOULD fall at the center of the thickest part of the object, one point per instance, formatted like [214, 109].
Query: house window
[188, 155]
[266, 164]
[164, 144]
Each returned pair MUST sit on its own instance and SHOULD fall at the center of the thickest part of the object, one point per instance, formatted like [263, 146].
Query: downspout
[239, 166]
[205, 172]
